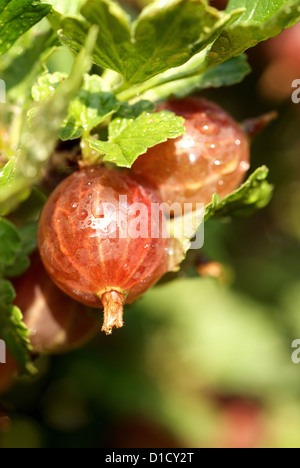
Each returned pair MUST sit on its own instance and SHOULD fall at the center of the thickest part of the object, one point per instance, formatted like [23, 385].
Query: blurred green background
[199, 363]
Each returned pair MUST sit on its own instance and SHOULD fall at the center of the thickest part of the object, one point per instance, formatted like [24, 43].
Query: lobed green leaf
[129, 138]
[166, 35]
[254, 194]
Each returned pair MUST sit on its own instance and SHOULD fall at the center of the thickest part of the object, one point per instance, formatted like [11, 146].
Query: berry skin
[86, 247]
[56, 322]
[212, 157]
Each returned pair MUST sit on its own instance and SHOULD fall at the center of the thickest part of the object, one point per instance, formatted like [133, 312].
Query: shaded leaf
[10, 242]
[186, 81]
[165, 35]
[28, 235]
[14, 332]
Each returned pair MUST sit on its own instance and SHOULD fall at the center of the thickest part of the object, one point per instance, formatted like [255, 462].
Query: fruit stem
[113, 302]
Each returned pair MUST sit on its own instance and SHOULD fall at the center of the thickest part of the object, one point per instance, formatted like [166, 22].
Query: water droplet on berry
[82, 215]
[192, 158]
[209, 130]
[244, 166]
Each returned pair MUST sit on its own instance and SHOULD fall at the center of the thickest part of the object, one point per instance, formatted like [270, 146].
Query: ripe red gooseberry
[56, 322]
[86, 244]
[212, 157]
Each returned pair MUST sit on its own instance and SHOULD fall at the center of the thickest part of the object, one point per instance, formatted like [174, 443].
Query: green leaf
[168, 36]
[92, 105]
[41, 139]
[7, 172]
[114, 33]
[129, 138]
[17, 17]
[262, 19]
[28, 235]
[20, 67]
[7, 292]
[254, 194]
[20, 266]
[226, 74]
[165, 36]
[66, 7]
[133, 111]
[10, 242]
[13, 331]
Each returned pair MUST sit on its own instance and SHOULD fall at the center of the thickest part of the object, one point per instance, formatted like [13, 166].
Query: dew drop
[244, 166]
[192, 158]
[82, 215]
[209, 130]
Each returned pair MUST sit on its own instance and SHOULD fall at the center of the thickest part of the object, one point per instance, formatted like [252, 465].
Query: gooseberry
[56, 322]
[100, 242]
[212, 157]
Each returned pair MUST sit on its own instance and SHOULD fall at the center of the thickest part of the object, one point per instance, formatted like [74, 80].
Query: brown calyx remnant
[113, 302]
